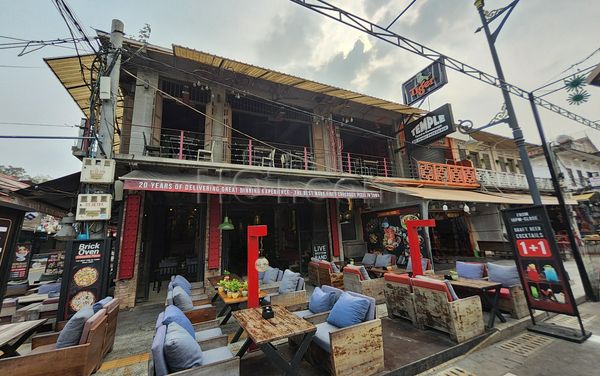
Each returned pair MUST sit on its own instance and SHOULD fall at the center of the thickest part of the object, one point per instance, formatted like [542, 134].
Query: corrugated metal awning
[445, 194]
[247, 185]
[289, 80]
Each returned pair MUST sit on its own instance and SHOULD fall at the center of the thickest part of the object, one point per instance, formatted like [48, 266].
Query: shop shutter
[130, 237]
[214, 234]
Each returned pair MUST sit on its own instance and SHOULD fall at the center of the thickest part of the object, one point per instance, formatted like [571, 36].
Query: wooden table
[283, 325]
[480, 287]
[13, 335]
[232, 305]
[214, 282]
[32, 298]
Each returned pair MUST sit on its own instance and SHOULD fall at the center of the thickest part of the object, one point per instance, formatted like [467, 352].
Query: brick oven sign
[86, 274]
[538, 261]
[431, 127]
[425, 82]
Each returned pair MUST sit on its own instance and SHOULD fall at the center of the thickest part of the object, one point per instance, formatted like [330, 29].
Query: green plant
[245, 286]
[234, 285]
[226, 272]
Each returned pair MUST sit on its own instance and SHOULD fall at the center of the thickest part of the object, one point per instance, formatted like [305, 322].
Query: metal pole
[587, 286]
[512, 117]
[106, 130]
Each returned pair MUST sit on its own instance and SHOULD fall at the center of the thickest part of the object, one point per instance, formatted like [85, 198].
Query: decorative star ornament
[577, 82]
[578, 97]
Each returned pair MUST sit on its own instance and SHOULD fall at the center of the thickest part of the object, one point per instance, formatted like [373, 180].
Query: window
[474, 157]
[571, 176]
[486, 161]
[582, 180]
[510, 165]
[502, 164]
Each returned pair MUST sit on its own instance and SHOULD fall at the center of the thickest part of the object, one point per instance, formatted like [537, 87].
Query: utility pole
[587, 286]
[106, 129]
[512, 117]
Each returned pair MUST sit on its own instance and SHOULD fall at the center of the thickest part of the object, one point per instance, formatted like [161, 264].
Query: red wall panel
[333, 222]
[130, 236]
[214, 234]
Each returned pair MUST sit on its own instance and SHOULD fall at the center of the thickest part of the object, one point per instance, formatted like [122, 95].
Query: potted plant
[235, 287]
[226, 275]
[221, 285]
[245, 288]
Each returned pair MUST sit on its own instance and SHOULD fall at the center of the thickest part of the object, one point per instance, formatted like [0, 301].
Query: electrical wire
[39, 124]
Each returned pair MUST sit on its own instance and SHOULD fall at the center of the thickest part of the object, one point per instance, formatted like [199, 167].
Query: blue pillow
[174, 314]
[181, 351]
[270, 275]
[423, 265]
[505, 274]
[100, 304]
[334, 267]
[369, 259]
[289, 282]
[348, 310]
[321, 301]
[71, 333]
[181, 299]
[174, 283]
[469, 270]
[49, 288]
[181, 281]
[364, 273]
[383, 260]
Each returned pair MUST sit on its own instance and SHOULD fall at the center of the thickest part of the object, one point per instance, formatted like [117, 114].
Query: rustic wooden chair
[112, 315]
[437, 308]
[313, 273]
[399, 297]
[353, 350]
[46, 360]
[203, 310]
[328, 277]
[361, 283]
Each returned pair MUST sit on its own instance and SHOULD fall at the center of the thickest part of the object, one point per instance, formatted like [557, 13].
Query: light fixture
[445, 207]
[226, 225]
[466, 209]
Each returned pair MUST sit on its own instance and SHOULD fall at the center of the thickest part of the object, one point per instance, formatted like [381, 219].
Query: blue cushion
[336, 292]
[334, 267]
[181, 350]
[158, 353]
[321, 301]
[169, 297]
[369, 259]
[216, 355]
[372, 304]
[173, 314]
[321, 337]
[364, 273]
[181, 299]
[174, 283]
[101, 303]
[159, 320]
[383, 260]
[289, 282]
[451, 290]
[469, 270]
[49, 288]
[261, 275]
[181, 281]
[348, 310]
[71, 333]
[423, 265]
[270, 275]
[302, 314]
[205, 334]
[505, 274]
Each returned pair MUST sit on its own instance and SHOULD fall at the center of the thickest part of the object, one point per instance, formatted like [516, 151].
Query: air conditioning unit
[98, 171]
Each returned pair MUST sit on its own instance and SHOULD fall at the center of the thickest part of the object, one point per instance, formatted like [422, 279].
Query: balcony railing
[509, 180]
[253, 153]
[366, 165]
[447, 174]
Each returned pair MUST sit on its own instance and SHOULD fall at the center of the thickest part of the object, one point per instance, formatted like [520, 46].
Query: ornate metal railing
[509, 180]
[447, 174]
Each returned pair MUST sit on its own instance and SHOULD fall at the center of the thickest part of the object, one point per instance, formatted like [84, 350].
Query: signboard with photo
[320, 251]
[538, 260]
[55, 263]
[425, 82]
[20, 264]
[435, 125]
[86, 276]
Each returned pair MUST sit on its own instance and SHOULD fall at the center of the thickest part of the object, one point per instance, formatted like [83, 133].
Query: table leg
[223, 310]
[237, 335]
[232, 308]
[276, 358]
[494, 308]
[302, 349]
[244, 348]
[9, 351]
[215, 297]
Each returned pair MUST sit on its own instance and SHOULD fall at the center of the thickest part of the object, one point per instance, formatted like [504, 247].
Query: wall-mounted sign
[20, 264]
[93, 207]
[435, 125]
[320, 251]
[99, 171]
[538, 260]
[425, 82]
[86, 276]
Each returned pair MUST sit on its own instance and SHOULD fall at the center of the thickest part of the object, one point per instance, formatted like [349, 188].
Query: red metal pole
[413, 243]
[254, 232]
[250, 152]
[181, 145]
[385, 171]
[305, 159]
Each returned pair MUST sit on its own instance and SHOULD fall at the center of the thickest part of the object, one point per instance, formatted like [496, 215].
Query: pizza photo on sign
[81, 300]
[86, 276]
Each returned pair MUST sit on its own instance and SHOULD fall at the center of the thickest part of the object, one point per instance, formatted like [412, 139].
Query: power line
[21, 66]
[38, 124]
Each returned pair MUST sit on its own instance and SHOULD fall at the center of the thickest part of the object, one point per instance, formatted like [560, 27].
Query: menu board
[55, 263]
[20, 265]
[86, 276]
[538, 260]
[320, 251]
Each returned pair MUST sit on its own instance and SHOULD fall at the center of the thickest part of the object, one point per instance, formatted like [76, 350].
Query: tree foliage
[20, 173]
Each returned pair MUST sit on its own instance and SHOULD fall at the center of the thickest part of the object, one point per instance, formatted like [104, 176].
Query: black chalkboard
[320, 251]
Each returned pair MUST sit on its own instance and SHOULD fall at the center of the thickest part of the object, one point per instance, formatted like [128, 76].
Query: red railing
[447, 174]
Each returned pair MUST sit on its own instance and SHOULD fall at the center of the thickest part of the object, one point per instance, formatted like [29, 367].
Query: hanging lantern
[466, 209]
[445, 207]
[261, 264]
[226, 225]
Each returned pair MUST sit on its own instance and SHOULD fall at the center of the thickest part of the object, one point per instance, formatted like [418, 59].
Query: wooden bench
[46, 360]
[399, 296]
[313, 273]
[328, 277]
[355, 281]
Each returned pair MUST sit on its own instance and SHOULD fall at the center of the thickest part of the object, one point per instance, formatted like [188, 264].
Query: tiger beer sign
[425, 82]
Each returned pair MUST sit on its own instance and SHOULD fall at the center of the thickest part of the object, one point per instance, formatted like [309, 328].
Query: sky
[541, 39]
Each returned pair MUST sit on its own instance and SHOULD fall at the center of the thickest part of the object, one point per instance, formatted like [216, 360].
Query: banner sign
[425, 82]
[433, 126]
[86, 276]
[20, 265]
[538, 260]
[226, 189]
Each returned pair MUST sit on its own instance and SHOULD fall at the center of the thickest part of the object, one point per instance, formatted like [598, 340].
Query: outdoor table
[13, 335]
[379, 272]
[283, 325]
[233, 304]
[214, 282]
[481, 287]
[32, 298]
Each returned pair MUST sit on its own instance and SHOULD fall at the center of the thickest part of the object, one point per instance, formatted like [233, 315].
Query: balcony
[510, 180]
[447, 174]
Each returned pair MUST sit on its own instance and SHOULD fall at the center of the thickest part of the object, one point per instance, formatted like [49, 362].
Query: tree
[20, 173]
[144, 33]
